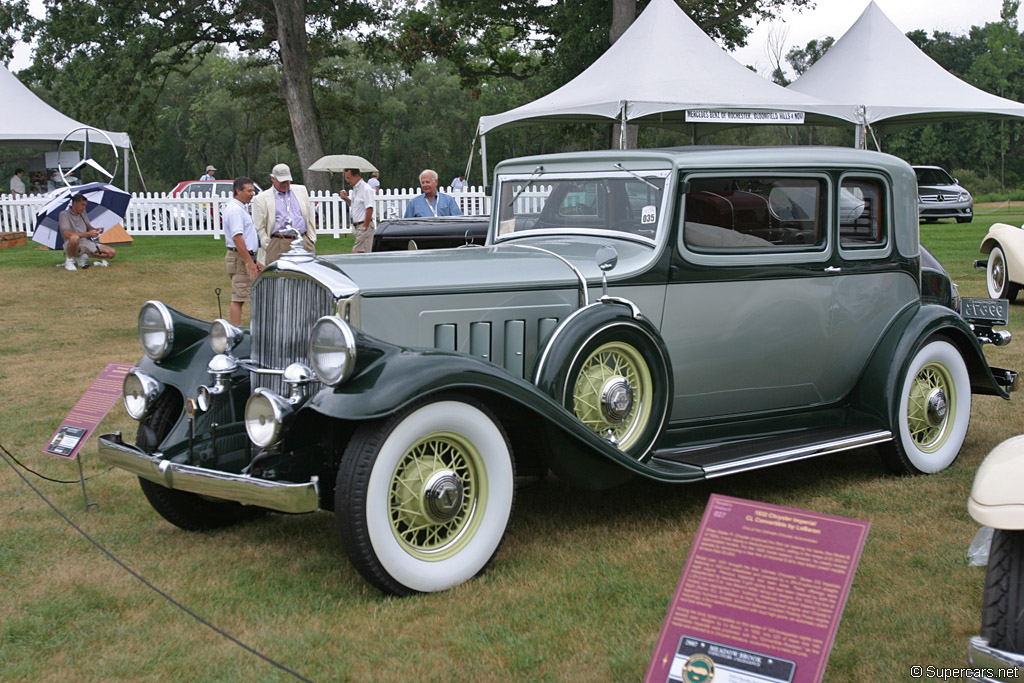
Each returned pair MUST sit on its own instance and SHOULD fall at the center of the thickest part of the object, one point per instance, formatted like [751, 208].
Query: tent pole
[622, 126]
[483, 158]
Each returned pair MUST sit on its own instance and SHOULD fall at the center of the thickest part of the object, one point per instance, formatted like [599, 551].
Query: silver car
[671, 314]
[939, 195]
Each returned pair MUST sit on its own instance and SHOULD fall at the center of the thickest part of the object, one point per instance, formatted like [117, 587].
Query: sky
[834, 17]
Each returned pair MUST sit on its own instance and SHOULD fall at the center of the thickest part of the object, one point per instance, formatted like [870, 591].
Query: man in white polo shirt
[360, 210]
[242, 243]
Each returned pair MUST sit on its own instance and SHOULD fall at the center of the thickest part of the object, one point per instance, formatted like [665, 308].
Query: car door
[768, 307]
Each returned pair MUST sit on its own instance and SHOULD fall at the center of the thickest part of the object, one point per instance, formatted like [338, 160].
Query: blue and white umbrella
[106, 208]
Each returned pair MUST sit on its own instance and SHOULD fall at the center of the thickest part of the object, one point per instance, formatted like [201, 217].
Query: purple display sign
[760, 596]
[90, 410]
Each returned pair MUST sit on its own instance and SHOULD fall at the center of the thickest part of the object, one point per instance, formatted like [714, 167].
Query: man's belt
[283, 237]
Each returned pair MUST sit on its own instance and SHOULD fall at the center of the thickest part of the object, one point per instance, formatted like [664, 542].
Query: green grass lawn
[578, 591]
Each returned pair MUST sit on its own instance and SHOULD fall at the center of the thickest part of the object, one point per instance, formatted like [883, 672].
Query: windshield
[933, 176]
[625, 203]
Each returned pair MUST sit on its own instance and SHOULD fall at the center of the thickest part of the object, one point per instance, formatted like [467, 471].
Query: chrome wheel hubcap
[937, 407]
[443, 496]
[616, 399]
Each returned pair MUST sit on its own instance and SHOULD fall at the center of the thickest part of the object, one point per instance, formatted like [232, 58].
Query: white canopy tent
[664, 71]
[879, 75]
[28, 121]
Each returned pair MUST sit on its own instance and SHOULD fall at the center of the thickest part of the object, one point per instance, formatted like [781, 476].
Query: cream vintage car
[671, 314]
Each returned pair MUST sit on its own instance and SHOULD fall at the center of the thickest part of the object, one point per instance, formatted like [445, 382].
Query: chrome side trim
[240, 488]
[998, 665]
[800, 453]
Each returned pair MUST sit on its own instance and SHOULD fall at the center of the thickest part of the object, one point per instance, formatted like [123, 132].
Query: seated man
[80, 237]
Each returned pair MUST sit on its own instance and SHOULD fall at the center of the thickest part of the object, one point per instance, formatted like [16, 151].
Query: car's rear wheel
[1002, 616]
[423, 497]
[933, 413]
[997, 276]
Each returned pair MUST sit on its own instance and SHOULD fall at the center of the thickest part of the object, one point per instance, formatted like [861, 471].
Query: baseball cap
[282, 173]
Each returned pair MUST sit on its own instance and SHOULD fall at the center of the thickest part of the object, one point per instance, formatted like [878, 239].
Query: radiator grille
[284, 309]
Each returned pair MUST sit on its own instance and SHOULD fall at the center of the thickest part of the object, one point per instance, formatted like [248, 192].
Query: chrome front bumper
[240, 488]
[992, 664]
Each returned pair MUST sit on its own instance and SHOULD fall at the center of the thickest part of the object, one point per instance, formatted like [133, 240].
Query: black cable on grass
[43, 476]
[141, 578]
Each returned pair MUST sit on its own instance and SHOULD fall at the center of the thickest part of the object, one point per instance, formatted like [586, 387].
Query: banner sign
[726, 116]
[90, 410]
[760, 596]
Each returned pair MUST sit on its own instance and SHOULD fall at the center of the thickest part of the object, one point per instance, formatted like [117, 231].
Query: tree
[16, 24]
[123, 51]
[523, 39]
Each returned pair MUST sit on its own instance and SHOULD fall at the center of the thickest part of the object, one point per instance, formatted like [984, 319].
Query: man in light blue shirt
[431, 202]
[242, 243]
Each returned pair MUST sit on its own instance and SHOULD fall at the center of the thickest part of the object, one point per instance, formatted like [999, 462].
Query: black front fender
[400, 376]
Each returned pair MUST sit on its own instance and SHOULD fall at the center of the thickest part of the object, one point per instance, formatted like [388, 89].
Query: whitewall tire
[424, 496]
[934, 411]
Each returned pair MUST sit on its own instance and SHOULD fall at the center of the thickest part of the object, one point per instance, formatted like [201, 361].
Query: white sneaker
[69, 264]
[102, 263]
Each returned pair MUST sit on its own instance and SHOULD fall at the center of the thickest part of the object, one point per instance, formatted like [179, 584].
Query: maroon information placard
[760, 596]
[90, 410]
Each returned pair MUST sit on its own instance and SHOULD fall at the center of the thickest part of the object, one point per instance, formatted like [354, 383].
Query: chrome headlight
[140, 391]
[224, 336]
[332, 350]
[156, 329]
[265, 416]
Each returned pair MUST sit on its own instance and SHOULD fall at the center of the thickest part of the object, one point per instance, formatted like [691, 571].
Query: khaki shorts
[88, 246]
[364, 240]
[241, 283]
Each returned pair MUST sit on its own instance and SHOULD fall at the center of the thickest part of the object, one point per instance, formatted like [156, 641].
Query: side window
[862, 213]
[754, 214]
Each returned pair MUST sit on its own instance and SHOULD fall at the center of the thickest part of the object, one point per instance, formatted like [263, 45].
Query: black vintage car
[400, 234]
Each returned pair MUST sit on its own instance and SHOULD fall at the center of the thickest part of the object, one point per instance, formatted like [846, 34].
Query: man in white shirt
[209, 175]
[17, 184]
[459, 183]
[281, 211]
[374, 182]
[360, 208]
[242, 243]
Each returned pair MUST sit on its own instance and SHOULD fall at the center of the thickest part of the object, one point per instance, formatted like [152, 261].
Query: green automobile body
[672, 314]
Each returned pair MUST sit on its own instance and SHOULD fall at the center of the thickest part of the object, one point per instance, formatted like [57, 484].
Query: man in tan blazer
[278, 210]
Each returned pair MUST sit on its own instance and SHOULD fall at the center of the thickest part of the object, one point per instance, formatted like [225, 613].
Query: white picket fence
[151, 213]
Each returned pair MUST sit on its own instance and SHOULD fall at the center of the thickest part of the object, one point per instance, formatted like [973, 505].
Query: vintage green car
[673, 314]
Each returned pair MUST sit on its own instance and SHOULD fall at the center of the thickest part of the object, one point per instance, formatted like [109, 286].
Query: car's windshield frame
[510, 191]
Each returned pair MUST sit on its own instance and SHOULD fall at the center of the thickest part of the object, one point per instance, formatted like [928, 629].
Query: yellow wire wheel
[436, 491]
[931, 406]
[613, 393]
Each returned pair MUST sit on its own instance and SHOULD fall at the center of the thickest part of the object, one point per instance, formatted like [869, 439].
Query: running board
[719, 460]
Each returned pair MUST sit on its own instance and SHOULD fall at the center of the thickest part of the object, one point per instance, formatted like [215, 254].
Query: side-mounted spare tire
[612, 371]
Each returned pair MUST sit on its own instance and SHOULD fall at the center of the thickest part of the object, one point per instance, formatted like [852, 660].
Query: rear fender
[877, 396]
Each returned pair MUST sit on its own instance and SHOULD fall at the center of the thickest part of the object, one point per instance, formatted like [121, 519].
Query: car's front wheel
[963, 219]
[1002, 617]
[997, 276]
[193, 512]
[424, 496]
[934, 410]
